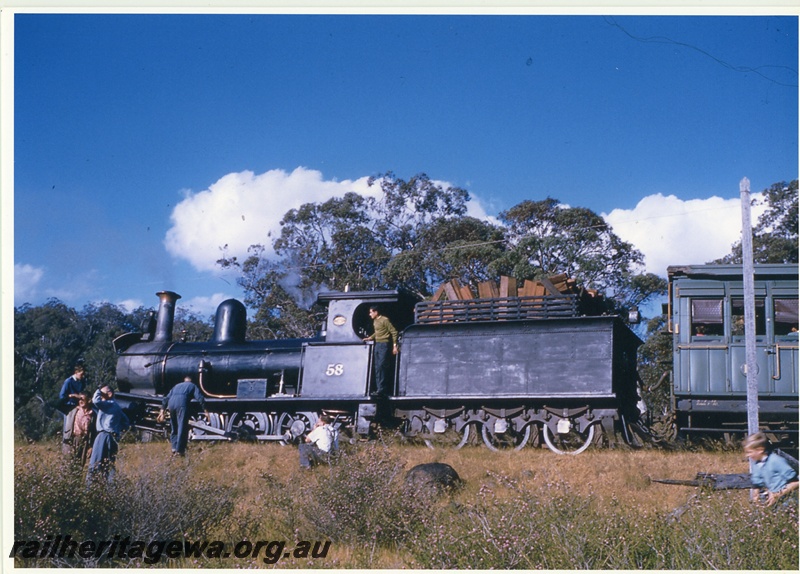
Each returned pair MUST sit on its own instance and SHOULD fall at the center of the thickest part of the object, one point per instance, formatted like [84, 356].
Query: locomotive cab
[348, 313]
[341, 366]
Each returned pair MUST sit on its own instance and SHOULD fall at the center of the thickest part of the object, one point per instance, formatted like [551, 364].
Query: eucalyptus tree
[548, 238]
[333, 244]
[356, 242]
[463, 248]
[49, 340]
[775, 234]
[415, 234]
[404, 209]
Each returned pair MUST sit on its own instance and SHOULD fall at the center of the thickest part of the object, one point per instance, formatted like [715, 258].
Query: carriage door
[737, 347]
[703, 351]
[784, 355]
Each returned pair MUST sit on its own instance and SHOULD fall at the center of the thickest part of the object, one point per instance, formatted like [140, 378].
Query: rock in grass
[433, 476]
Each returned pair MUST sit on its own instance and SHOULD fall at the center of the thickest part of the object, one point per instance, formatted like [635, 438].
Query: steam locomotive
[507, 371]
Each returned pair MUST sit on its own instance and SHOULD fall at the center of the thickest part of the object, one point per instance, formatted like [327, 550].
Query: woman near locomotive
[79, 430]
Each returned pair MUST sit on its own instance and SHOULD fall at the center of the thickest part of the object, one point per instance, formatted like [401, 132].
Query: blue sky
[143, 143]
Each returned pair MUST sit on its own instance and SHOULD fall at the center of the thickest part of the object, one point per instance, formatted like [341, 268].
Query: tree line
[414, 235]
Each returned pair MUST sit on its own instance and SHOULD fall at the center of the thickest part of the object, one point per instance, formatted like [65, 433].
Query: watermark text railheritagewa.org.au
[153, 551]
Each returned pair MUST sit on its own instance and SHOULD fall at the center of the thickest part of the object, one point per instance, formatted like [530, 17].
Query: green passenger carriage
[706, 319]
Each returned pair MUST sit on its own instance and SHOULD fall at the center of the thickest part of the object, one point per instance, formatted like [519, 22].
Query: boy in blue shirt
[769, 470]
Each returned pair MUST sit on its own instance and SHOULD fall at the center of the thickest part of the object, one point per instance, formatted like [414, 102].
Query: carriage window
[786, 317]
[737, 318]
[707, 318]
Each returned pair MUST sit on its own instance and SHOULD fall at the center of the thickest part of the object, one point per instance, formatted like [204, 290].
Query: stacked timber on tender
[510, 300]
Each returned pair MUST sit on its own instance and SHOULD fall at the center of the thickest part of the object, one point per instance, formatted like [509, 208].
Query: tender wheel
[509, 438]
[450, 438]
[295, 425]
[249, 425]
[213, 420]
[571, 442]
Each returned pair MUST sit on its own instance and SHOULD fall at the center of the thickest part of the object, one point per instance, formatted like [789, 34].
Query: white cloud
[130, 305]
[204, 306]
[672, 231]
[241, 209]
[26, 282]
[476, 209]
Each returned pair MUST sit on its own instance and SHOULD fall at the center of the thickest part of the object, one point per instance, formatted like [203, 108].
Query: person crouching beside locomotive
[177, 401]
[770, 471]
[385, 337]
[318, 443]
[111, 421]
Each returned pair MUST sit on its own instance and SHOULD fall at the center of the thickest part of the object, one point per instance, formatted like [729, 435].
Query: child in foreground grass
[770, 471]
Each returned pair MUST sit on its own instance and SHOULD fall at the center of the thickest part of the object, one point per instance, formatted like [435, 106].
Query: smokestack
[166, 315]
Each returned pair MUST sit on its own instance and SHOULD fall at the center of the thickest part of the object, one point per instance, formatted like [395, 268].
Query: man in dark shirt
[385, 337]
[177, 400]
[71, 389]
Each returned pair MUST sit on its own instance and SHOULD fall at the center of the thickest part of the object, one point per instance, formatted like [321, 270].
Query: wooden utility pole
[751, 365]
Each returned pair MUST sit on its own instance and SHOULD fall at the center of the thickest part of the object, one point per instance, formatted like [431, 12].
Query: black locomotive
[511, 371]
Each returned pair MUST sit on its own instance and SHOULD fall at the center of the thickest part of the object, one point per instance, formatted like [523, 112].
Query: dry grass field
[529, 509]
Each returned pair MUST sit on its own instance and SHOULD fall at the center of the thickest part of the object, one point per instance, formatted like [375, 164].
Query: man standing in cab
[385, 337]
